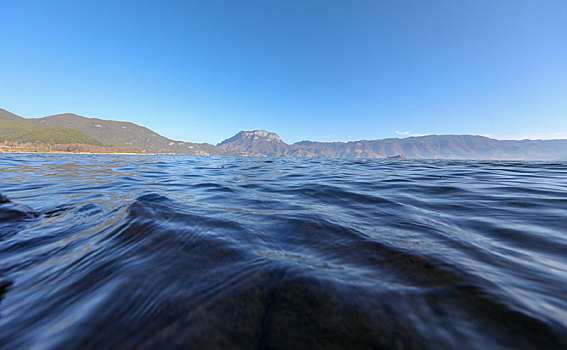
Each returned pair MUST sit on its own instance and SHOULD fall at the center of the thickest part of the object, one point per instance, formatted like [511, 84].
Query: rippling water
[142, 252]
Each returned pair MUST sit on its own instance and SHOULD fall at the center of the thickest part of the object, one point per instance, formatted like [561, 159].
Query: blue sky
[306, 69]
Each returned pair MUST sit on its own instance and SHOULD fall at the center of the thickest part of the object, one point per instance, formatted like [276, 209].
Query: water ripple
[145, 252]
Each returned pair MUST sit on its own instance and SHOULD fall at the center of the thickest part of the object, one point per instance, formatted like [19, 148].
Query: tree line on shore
[40, 147]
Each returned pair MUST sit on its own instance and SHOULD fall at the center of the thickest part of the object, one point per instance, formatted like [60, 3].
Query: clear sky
[306, 69]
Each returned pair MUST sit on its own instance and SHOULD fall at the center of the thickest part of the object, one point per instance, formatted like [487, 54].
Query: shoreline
[90, 153]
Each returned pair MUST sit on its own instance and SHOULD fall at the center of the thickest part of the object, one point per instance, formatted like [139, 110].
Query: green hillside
[116, 133]
[119, 134]
[16, 131]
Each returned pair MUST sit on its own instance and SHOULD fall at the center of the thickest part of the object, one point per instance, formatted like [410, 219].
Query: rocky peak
[257, 134]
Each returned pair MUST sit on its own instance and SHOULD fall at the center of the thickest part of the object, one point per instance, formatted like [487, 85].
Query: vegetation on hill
[18, 136]
[120, 134]
[37, 147]
[126, 134]
[20, 132]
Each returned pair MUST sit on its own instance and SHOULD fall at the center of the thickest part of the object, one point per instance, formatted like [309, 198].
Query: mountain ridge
[418, 147]
[119, 134]
[264, 143]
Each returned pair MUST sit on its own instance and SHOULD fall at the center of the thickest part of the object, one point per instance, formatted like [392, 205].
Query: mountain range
[63, 128]
[263, 143]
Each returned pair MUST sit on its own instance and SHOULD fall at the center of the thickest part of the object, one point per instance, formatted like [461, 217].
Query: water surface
[150, 251]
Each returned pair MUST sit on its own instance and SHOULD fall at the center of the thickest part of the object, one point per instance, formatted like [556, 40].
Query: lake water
[174, 252]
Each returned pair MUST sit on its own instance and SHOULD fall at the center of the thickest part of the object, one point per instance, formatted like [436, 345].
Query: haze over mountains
[264, 143]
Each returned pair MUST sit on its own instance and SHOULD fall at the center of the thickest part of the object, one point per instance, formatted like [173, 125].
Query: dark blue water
[176, 252]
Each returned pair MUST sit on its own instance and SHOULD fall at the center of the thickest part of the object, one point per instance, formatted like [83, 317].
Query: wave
[246, 253]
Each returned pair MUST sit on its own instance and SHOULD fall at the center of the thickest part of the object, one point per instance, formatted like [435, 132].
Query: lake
[109, 251]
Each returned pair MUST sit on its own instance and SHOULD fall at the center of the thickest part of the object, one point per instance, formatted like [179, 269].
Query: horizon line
[555, 136]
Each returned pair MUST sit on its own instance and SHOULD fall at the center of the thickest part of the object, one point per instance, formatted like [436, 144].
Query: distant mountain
[65, 129]
[263, 143]
[120, 134]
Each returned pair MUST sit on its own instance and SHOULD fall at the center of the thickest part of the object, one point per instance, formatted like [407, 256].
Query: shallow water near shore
[100, 251]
